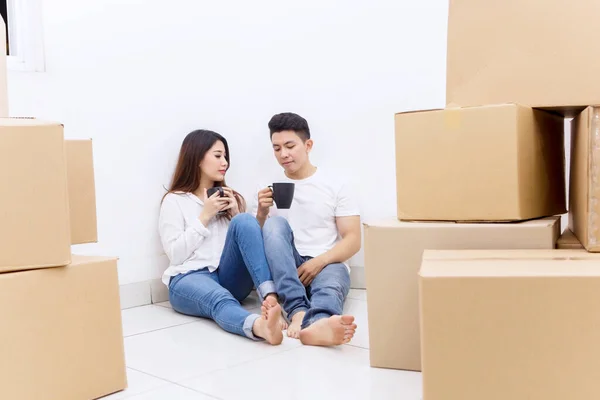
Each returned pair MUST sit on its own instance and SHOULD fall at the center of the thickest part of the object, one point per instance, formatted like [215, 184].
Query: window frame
[25, 33]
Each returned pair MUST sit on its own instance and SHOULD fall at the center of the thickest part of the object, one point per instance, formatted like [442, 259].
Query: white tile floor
[174, 357]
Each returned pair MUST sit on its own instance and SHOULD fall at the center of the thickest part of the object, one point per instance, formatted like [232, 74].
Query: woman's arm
[178, 241]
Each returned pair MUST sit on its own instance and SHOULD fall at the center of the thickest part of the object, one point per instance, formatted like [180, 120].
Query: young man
[308, 245]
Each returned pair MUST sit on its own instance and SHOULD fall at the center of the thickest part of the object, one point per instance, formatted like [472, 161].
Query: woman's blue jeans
[217, 295]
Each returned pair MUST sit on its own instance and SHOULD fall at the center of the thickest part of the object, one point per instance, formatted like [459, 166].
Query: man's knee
[334, 280]
[276, 226]
[331, 289]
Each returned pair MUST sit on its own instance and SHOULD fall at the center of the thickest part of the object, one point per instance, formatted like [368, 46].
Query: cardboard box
[61, 332]
[538, 53]
[492, 163]
[568, 241]
[34, 221]
[500, 325]
[584, 189]
[82, 191]
[393, 252]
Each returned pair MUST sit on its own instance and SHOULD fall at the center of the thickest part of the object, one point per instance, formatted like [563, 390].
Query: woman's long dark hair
[187, 173]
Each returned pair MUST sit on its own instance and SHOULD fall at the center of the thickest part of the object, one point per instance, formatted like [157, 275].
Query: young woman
[216, 250]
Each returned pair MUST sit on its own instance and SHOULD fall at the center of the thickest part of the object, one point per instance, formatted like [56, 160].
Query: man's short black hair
[290, 122]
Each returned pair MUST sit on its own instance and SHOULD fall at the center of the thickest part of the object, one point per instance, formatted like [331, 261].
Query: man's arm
[349, 229]
[264, 202]
[261, 219]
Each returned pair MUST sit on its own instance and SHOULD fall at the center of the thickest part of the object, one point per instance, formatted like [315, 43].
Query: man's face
[289, 149]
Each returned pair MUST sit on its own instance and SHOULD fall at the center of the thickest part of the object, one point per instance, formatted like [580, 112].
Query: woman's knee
[187, 305]
[244, 220]
[196, 293]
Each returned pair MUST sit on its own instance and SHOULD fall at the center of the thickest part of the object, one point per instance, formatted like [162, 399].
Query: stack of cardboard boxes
[60, 315]
[467, 285]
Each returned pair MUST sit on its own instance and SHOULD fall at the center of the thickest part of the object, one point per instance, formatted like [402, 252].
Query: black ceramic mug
[214, 190]
[283, 194]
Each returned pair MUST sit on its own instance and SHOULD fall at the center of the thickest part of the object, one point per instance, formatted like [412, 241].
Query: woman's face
[214, 165]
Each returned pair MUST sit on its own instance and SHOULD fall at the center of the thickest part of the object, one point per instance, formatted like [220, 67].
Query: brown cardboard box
[491, 163]
[500, 325]
[34, 221]
[393, 252]
[82, 191]
[516, 51]
[53, 201]
[584, 190]
[61, 332]
[568, 241]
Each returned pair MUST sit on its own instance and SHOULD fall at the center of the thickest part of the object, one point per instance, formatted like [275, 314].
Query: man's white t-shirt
[318, 200]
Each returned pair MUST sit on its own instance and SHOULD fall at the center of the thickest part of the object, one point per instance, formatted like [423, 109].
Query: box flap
[456, 107]
[394, 223]
[77, 259]
[12, 122]
[508, 263]
[510, 254]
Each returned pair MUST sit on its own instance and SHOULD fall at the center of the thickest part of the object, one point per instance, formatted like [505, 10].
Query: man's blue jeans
[217, 295]
[326, 294]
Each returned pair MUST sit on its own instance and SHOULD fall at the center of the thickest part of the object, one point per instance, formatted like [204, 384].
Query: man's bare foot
[267, 326]
[332, 331]
[293, 330]
[271, 301]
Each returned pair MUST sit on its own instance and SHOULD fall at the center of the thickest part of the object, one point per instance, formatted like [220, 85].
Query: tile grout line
[198, 391]
[166, 383]
[234, 366]
[356, 346]
[159, 329]
[196, 320]
[208, 372]
[152, 375]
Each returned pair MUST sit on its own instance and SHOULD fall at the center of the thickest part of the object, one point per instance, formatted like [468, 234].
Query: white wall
[137, 76]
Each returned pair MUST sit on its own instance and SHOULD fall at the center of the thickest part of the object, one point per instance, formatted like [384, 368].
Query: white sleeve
[179, 241]
[347, 203]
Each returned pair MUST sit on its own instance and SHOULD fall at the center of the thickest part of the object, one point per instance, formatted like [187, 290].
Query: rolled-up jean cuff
[296, 311]
[306, 323]
[265, 288]
[248, 324]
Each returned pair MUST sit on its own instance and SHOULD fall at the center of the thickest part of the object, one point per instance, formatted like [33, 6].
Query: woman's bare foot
[332, 331]
[267, 326]
[269, 302]
[293, 330]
